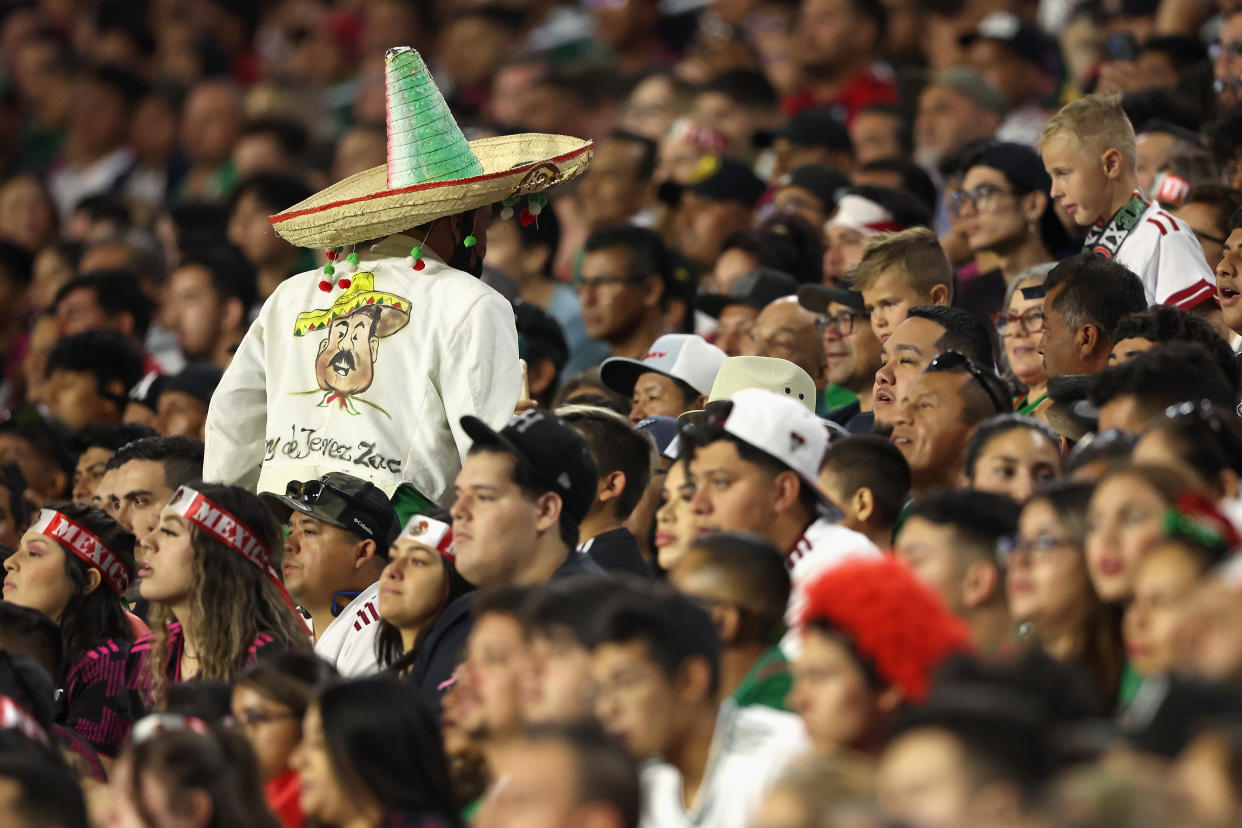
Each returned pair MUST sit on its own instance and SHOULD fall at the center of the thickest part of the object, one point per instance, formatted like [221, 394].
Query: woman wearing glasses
[1050, 592]
[269, 701]
[1008, 219]
[1020, 325]
[73, 565]
[216, 601]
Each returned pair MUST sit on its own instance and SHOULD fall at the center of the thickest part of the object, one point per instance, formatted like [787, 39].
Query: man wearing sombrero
[368, 365]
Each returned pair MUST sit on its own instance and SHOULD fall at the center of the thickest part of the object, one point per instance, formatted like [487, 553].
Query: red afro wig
[891, 619]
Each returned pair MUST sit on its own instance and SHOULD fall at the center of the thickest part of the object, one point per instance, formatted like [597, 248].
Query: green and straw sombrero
[432, 171]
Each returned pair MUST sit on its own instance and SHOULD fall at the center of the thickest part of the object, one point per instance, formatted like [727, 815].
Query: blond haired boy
[899, 271]
[1089, 151]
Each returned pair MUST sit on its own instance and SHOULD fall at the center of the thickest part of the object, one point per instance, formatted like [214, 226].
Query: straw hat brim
[362, 207]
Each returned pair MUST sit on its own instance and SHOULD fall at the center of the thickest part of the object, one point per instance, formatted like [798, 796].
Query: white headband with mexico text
[216, 521]
[430, 532]
[86, 545]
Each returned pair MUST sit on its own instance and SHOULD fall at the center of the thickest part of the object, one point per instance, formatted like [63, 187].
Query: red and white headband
[430, 532]
[86, 545]
[863, 215]
[218, 522]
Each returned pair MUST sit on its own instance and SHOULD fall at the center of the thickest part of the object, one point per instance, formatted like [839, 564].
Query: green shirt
[767, 684]
[832, 398]
[1024, 406]
[1130, 684]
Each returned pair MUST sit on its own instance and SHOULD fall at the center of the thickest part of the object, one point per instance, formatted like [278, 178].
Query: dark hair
[570, 604]
[1183, 52]
[647, 161]
[1158, 103]
[905, 129]
[90, 618]
[509, 600]
[1107, 445]
[48, 795]
[1225, 200]
[616, 447]
[25, 681]
[1003, 424]
[219, 763]
[231, 275]
[273, 190]
[181, 457]
[291, 137]
[980, 393]
[13, 481]
[389, 643]
[28, 632]
[980, 520]
[603, 396]
[116, 292]
[199, 224]
[791, 245]
[397, 757]
[1225, 135]
[1208, 442]
[105, 207]
[645, 253]
[756, 568]
[1170, 373]
[546, 232]
[876, 12]
[914, 179]
[126, 85]
[108, 356]
[604, 771]
[1098, 291]
[290, 679]
[16, 262]
[872, 463]
[673, 629]
[110, 436]
[745, 87]
[1163, 323]
[207, 699]
[963, 332]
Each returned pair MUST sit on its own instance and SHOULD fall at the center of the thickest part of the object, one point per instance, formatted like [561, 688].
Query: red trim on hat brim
[885, 227]
[279, 217]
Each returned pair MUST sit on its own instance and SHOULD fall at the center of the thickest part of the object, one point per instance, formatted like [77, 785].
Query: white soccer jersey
[822, 546]
[349, 641]
[750, 748]
[1167, 256]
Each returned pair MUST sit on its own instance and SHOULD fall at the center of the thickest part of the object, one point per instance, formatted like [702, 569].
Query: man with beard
[310, 390]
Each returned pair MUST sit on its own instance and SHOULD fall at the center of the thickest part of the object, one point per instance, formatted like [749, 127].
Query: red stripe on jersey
[1193, 296]
[1169, 219]
[1163, 232]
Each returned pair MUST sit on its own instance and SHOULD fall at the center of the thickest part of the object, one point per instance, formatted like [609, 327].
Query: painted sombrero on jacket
[432, 171]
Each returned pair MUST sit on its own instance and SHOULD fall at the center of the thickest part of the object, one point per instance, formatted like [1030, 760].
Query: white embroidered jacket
[369, 378]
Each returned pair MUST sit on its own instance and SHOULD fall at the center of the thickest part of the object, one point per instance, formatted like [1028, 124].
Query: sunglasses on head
[954, 362]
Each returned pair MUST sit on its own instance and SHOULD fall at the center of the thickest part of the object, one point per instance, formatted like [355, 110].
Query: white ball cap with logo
[780, 427]
[686, 357]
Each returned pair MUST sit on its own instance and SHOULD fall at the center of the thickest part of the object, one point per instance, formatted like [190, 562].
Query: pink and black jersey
[135, 668]
[95, 702]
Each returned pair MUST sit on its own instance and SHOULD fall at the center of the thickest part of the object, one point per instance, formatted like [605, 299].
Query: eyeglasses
[600, 282]
[1038, 549]
[842, 323]
[980, 198]
[1007, 324]
[953, 362]
[1233, 48]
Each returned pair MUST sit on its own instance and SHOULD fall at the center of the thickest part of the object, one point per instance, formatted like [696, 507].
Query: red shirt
[877, 84]
[282, 797]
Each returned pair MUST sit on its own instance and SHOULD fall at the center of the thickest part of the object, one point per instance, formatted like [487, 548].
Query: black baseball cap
[553, 452]
[823, 182]
[342, 500]
[756, 288]
[1024, 39]
[816, 128]
[198, 379]
[48, 435]
[816, 298]
[539, 335]
[1020, 165]
[726, 179]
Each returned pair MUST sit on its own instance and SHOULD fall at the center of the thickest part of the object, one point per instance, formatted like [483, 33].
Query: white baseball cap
[863, 215]
[780, 427]
[686, 357]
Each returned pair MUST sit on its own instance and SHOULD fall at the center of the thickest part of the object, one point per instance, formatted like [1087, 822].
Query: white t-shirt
[349, 641]
[822, 546]
[750, 748]
[1166, 255]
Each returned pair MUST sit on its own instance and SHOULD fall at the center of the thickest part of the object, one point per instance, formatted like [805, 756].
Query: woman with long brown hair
[1050, 592]
[216, 601]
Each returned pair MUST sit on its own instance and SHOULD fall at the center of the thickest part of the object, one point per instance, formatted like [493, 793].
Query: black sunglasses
[954, 362]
